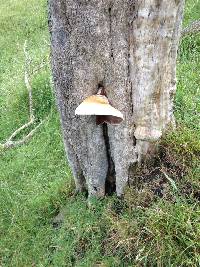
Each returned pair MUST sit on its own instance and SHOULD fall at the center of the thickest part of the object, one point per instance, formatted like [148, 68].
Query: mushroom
[99, 105]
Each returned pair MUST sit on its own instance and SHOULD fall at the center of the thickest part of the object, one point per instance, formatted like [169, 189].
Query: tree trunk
[129, 47]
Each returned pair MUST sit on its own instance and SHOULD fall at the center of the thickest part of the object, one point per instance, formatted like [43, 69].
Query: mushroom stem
[101, 91]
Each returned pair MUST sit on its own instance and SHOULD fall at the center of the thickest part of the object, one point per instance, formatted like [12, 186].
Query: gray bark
[192, 28]
[130, 48]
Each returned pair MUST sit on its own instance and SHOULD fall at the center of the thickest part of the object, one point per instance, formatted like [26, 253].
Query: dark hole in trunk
[110, 184]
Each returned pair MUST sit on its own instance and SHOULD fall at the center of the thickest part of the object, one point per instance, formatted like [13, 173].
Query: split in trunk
[130, 48]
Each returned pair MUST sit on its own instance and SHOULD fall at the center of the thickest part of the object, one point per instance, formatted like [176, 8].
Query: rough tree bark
[129, 47]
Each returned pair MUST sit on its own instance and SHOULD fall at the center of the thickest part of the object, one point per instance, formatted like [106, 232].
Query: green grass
[142, 230]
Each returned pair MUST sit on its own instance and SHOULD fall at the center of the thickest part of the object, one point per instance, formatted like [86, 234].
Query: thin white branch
[15, 133]
[27, 81]
[10, 143]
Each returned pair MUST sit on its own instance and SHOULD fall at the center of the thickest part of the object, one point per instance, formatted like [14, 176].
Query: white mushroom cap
[99, 105]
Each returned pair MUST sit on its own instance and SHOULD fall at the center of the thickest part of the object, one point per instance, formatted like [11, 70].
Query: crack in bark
[110, 25]
[110, 184]
[132, 16]
[131, 95]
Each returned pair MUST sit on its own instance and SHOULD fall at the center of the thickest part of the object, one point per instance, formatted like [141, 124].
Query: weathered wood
[192, 28]
[130, 48]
